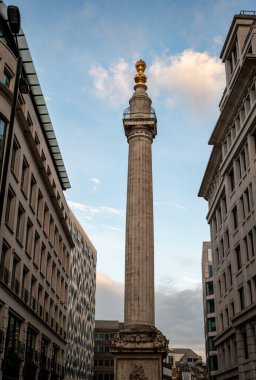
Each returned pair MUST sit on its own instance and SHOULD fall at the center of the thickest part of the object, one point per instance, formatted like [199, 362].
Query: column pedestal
[139, 352]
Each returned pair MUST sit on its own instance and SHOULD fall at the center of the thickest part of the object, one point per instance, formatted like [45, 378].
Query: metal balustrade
[15, 286]
[2, 338]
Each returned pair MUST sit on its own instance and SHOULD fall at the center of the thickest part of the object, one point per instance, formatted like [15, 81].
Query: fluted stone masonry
[139, 347]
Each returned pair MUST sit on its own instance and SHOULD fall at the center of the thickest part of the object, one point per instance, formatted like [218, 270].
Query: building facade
[35, 239]
[81, 306]
[229, 186]
[209, 310]
[103, 359]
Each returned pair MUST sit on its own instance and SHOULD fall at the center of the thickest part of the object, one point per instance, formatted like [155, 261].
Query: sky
[84, 54]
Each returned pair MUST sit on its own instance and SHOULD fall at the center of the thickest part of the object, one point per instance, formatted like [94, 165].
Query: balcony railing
[2, 337]
[130, 115]
[32, 357]
[15, 286]
[16, 348]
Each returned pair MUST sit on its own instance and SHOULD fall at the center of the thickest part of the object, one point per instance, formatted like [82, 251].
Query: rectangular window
[20, 224]
[46, 219]
[39, 212]
[6, 78]
[2, 140]
[235, 217]
[24, 176]
[32, 194]
[246, 249]
[15, 160]
[210, 306]
[211, 325]
[232, 179]
[36, 249]
[247, 205]
[10, 208]
[241, 298]
[209, 288]
[238, 257]
[230, 275]
[29, 237]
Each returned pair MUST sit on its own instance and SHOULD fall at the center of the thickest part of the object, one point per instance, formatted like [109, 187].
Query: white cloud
[88, 212]
[114, 83]
[95, 182]
[182, 329]
[189, 79]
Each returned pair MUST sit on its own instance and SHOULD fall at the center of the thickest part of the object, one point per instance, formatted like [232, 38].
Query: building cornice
[209, 172]
[234, 98]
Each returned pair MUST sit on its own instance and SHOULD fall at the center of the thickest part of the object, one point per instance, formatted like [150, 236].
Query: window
[32, 196]
[39, 213]
[210, 306]
[238, 257]
[29, 237]
[10, 208]
[219, 286]
[241, 297]
[6, 79]
[24, 176]
[230, 275]
[226, 241]
[15, 160]
[211, 325]
[209, 288]
[20, 224]
[2, 139]
[36, 249]
[46, 219]
[235, 218]
[233, 308]
[246, 248]
[247, 201]
[13, 334]
[227, 316]
[232, 179]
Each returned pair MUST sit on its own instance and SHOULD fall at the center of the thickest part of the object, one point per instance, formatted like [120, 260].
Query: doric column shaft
[139, 249]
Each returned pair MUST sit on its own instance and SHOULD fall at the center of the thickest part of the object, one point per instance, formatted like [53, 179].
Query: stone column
[139, 348]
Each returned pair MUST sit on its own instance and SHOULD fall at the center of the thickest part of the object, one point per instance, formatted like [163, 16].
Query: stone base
[138, 367]
[138, 353]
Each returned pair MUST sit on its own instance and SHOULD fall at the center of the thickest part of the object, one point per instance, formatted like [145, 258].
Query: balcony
[2, 338]
[26, 297]
[32, 357]
[15, 349]
[141, 115]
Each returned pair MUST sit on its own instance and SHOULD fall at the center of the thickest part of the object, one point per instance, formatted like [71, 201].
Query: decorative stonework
[139, 341]
[137, 373]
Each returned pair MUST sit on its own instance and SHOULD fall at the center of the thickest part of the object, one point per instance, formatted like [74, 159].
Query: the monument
[139, 348]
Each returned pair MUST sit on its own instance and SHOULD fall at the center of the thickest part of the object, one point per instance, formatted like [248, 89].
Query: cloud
[109, 298]
[114, 83]
[95, 182]
[88, 212]
[179, 314]
[189, 79]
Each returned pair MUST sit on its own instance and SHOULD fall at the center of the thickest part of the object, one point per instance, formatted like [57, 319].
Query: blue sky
[84, 53]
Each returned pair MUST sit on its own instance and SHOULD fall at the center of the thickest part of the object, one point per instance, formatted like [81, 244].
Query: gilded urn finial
[140, 78]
